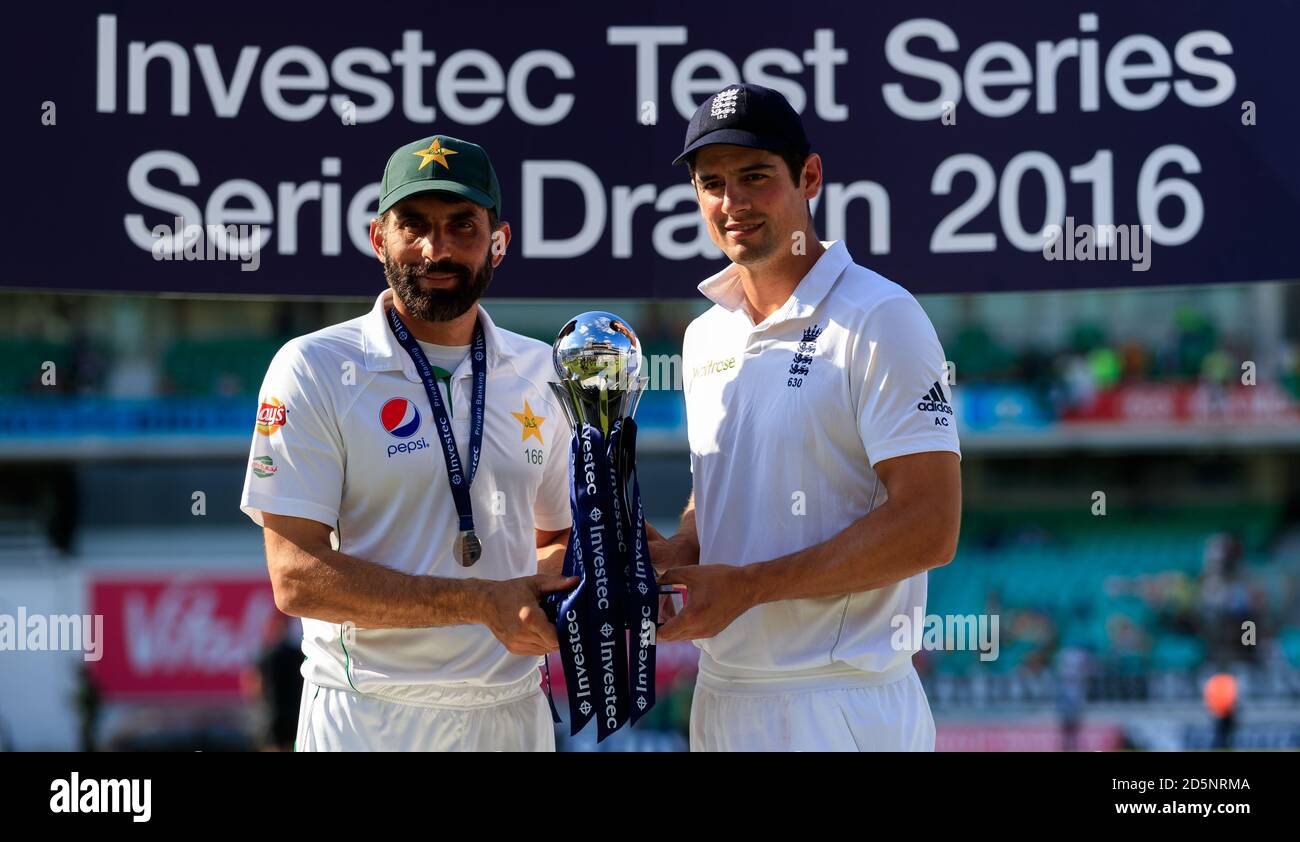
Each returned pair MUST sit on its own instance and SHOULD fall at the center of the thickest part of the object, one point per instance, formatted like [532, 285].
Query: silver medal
[468, 548]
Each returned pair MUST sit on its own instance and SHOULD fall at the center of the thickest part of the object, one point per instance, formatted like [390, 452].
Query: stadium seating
[21, 361]
[224, 366]
[1091, 582]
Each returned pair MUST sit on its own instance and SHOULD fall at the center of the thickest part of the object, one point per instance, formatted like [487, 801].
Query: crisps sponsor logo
[271, 416]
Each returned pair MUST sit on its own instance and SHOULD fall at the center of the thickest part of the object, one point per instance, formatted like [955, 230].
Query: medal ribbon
[457, 477]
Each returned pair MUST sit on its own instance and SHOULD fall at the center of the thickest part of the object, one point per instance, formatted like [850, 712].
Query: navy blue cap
[746, 115]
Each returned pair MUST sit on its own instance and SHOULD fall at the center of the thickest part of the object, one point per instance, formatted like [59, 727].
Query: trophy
[606, 623]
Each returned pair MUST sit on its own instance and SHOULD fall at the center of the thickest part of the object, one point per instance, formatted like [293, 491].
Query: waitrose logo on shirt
[713, 367]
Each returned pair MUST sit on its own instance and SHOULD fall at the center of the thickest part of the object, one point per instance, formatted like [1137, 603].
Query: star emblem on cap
[532, 423]
[435, 152]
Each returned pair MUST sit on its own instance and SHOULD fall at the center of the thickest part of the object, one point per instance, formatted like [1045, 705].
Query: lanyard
[467, 543]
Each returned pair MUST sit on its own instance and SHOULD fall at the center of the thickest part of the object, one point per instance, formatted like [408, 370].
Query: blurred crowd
[224, 355]
[1090, 360]
[1228, 613]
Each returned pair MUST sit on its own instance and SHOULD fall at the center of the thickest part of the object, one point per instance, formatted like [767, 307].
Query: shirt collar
[726, 290]
[382, 353]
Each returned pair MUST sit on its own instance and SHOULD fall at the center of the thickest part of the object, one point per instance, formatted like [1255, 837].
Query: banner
[179, 635]
[238, 149]
[1184, 404]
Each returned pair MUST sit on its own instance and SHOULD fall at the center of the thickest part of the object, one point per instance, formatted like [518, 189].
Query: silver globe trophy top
[598, 359]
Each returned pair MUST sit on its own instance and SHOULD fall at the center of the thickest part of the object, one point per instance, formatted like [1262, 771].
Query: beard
[437, 305]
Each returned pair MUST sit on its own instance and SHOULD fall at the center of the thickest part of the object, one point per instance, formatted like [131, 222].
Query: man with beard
[410, 471]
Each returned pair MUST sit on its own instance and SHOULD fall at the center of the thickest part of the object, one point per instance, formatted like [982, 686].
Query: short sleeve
[688, 380]
[688, 354]
[551, 508]
[295, 463]
[903, 402]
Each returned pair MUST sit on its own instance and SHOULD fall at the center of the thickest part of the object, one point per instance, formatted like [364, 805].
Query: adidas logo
[934, 401]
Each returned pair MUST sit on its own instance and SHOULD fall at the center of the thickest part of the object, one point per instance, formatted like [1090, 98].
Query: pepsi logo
[400, 418]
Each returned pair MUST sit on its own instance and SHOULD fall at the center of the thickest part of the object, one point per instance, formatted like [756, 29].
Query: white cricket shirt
[345, 436]
[786, 420]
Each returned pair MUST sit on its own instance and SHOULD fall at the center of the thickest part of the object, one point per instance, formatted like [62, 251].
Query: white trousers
[894, 716]
[512, 718]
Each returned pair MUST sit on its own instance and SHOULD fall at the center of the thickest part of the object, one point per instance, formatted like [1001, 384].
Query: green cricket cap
[440, 164]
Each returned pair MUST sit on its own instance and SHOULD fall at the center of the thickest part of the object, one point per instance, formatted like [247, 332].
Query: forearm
[550, 558]
[891, 543]
[685, 543]
[332, 586]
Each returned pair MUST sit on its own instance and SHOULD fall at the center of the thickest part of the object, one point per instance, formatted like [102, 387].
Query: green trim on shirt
[440, 373]
[347, 662]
